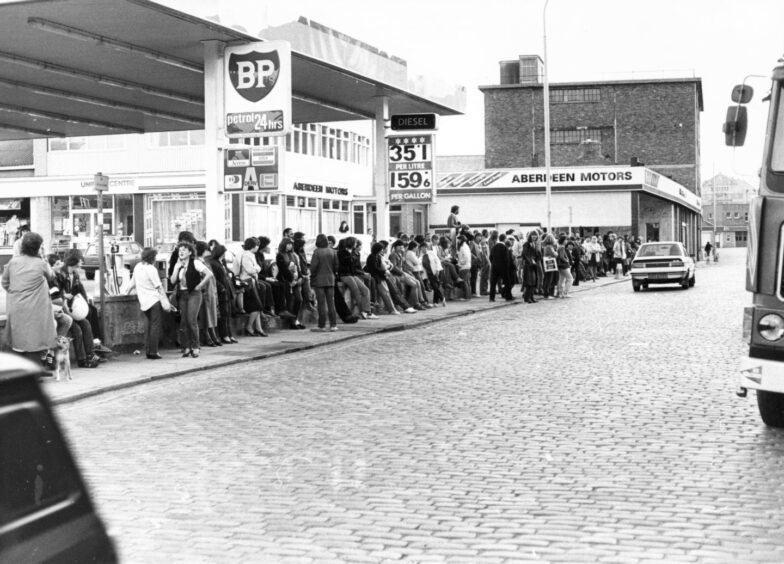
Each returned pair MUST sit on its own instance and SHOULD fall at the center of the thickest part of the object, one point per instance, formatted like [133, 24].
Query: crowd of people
[205, 285]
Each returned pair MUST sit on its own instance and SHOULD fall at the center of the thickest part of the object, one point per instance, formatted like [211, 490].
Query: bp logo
[254, 74]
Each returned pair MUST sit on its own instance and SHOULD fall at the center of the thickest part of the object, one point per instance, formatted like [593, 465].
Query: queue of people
[205, 286]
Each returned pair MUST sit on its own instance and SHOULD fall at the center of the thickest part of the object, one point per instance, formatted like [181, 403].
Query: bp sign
[257, 89]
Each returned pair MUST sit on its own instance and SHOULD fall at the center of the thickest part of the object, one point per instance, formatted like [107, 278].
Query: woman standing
[152, 300]
[209, 304]
[225, 288]
[464, 265]
[189, 277]
[433, 269]
[30, 326]
[323, 265]
[249, 273]
[288, 273]
[550, 277]
[564, 262]
[530, 260]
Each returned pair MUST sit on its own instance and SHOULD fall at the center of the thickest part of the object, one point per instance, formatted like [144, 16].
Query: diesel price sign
[411, 169]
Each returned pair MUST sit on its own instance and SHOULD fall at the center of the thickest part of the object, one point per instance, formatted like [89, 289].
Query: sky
[462, 42]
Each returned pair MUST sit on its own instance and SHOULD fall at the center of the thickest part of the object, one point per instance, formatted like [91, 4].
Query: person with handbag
[291, 279]
[549, 260]
[189, 277]
[530, 258]
[564, 262]
[76, 305]
[30, 324]
[249, 273]
[153, 300]
[225, 288]
[209, 302]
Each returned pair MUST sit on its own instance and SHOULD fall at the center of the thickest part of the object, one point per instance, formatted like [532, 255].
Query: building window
[710, 215]
[746, 217]
[727, 215]
[737, 215]
[574, 136]
[177, 138]
[571, 95]
[92, 143]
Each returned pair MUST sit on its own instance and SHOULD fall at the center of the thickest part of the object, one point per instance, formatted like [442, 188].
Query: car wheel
[644, 285]
[692, 280]
[636, 286]
[771, 408]
[90, 274]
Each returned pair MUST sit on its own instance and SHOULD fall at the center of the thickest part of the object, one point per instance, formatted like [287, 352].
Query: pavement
[127, 370]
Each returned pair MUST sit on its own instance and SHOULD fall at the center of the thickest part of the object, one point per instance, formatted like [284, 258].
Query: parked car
[46, 514]
[130, 251]
[664, 262]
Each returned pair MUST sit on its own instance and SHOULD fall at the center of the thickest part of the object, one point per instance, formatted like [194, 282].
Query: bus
[762, 368]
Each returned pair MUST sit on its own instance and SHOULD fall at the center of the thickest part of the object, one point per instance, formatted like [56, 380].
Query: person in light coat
[464, 265]
[30, 325]
[152, 300]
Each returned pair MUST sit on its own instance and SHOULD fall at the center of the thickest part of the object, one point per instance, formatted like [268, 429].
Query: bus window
[777, 149]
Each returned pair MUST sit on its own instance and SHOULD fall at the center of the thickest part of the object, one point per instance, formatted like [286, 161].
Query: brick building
[653, 124]
[729, 212]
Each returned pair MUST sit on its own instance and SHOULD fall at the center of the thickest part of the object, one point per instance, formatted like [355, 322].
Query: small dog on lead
[62, 359]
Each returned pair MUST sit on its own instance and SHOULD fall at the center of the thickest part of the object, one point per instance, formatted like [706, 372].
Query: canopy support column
[214, 140]
[380, 169]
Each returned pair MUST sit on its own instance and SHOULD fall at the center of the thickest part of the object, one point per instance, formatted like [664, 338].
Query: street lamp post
[546, 95]
[715, 217]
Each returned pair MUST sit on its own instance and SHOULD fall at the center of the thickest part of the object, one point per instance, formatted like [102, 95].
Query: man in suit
[499, 269]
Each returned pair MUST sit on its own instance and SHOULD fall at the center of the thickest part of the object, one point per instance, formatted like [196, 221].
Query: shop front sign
[250, 169]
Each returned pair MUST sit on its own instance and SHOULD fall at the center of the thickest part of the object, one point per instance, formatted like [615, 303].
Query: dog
[62, 359]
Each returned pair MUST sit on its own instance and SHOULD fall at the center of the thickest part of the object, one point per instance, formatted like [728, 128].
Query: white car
[665, 262]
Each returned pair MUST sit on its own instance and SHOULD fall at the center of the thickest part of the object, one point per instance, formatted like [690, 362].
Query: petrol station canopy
[72, 68]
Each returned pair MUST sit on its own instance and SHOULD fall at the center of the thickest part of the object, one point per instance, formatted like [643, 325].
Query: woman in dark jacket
[288, 273]
[360, 293]
[189, 277]
[323, 265]
[531, 258]
[376, 269]
[225, 289]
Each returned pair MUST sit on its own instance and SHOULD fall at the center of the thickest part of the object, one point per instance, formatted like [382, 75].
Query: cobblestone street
[599, 428]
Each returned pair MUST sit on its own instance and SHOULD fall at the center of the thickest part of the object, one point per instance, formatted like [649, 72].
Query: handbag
[79, 308]
[550, 264]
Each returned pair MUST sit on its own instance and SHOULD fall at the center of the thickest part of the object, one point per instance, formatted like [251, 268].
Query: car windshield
[660, 250]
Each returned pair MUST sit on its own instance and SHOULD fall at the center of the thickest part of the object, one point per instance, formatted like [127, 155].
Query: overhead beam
[95, 101]
[31, 131]
[32, 112]
[100, 79]
[111, 43]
